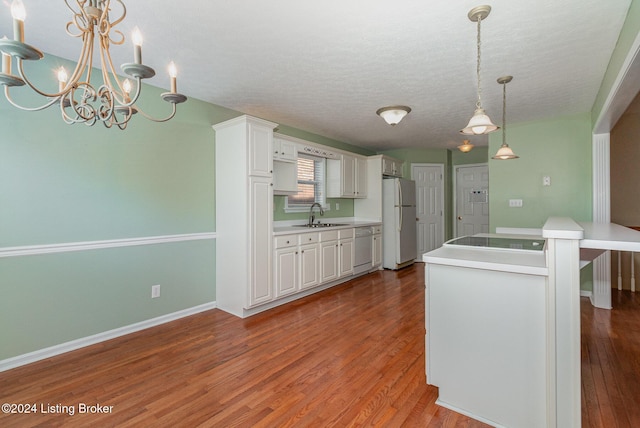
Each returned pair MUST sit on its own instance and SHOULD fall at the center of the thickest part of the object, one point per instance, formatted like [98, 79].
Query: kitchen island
[503, 325]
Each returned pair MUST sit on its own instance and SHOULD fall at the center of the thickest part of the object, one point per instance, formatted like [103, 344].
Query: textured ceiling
[326, 67]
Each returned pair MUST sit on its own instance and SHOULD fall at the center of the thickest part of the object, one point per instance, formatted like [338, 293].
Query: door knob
[459, 217]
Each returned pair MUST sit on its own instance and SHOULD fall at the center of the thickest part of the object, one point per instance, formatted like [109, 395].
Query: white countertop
[283, 228]
[609, 236]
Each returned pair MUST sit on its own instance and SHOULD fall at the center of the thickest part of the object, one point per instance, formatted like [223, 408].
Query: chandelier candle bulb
[6, 63]
[173, 74]
[19, 14]
[136, 37]
[62, 78]
[126, 87]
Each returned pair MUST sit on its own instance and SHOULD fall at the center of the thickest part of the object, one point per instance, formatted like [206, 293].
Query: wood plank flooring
[611, 362]
[345, 357]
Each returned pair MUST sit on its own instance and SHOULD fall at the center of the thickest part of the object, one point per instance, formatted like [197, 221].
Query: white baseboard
[586, 293]
[469, 414]
[52, 351]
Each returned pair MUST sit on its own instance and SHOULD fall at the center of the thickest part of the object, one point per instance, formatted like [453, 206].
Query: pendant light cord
[479, 103]
[504, 113]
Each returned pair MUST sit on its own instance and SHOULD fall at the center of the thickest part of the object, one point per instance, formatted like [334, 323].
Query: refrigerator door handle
[400, 204]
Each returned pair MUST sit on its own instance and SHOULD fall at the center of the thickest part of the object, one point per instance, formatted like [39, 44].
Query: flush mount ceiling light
[113, 102]
[393, 114]
[465, 147]
[504, 152]
[480, 123]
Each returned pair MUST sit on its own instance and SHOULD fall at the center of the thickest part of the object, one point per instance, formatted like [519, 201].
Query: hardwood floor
[349, 356]
[352, 355]
[611, 362]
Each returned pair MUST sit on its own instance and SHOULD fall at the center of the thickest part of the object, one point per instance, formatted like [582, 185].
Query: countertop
[284, 228]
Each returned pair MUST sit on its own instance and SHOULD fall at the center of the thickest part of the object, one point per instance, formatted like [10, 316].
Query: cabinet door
[387, 166]
[286, 275]
[260, 150]
[361, 178]
[348, 176]
[347, 254]
[288, 151]
[261, 238]
[328, 261]
[309, 266]
[376, 257]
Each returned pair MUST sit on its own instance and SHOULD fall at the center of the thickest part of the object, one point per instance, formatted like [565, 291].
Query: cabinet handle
[287, 242]
[271, 184]
[301, 252]
[296, 252]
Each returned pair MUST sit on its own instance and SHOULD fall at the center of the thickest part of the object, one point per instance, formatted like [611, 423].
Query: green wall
[560, 149]
[627, 37]
[72, 183]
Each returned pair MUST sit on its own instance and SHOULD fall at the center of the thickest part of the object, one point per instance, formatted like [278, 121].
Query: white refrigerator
[398, 223]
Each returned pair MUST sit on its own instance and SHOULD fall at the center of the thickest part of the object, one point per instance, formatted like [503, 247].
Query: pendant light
[480, 123]
[465, 147]
[504, 152]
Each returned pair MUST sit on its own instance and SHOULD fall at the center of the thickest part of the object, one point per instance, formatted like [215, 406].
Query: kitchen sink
[321, 225]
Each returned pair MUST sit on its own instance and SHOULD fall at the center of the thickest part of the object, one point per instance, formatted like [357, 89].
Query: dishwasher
[363, 245]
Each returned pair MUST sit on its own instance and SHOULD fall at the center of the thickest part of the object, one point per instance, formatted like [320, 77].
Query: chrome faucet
[311, 216]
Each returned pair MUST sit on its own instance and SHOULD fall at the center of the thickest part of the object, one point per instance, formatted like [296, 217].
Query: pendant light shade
[504, 152]
[393, 114]
[480, 122]
[465, 147]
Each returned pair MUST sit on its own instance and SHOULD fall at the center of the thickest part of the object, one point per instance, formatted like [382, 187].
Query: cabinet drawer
[346, 233]
[377, 229]
[285, 241]
[308, 238]
[328, 235]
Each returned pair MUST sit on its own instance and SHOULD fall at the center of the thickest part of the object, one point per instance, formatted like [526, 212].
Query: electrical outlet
[337, 206]
[155, 291]
[546, 180]
[515, 203]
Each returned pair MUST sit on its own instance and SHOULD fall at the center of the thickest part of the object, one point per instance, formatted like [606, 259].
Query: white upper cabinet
[347, 177]
[285, 150]
[391, 167]
[260, 149]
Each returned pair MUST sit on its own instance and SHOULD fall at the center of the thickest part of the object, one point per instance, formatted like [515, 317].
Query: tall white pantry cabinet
[244, 213]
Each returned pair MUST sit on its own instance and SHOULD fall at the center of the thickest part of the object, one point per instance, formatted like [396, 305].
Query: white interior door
[429, 206]
[472, 199]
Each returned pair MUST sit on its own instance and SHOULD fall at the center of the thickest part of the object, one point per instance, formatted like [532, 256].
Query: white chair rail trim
[31, 250]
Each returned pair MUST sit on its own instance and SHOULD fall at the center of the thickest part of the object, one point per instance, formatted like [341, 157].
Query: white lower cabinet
[309, 265]
[328, 261]
[346, 251]
[296, 260]
[305, 260]
[286, 266]
[376, 248]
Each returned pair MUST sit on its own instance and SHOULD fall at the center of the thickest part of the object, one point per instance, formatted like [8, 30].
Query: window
[310, 184]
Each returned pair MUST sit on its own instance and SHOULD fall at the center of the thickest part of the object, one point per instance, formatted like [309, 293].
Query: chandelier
[114, 101]
[479, 123]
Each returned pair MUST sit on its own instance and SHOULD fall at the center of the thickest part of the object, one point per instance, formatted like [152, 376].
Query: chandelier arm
[13, 103]
[31, 85]
[124, 12]
[173, 113]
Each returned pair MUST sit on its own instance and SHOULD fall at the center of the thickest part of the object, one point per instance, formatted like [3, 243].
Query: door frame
[442, 198]
[454, 196]
[622, 92]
